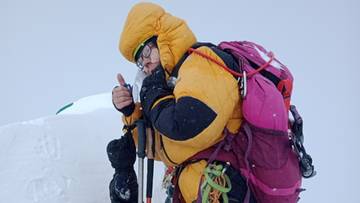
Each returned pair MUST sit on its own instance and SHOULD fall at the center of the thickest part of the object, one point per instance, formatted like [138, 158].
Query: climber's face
[149, 58]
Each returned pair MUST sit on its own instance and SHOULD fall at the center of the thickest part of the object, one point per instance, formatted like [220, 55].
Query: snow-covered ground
[62, 158]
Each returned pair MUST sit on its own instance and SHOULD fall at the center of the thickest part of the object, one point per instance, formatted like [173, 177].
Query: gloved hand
[122, 154]
[154, 87]
[122, 98]
[124, 187]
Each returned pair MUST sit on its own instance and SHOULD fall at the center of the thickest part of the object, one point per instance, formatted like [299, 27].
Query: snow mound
[62, 158]
[88, 104]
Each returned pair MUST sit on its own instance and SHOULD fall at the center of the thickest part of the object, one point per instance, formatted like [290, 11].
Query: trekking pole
[150, 166]
[149, 179]
[141, 155]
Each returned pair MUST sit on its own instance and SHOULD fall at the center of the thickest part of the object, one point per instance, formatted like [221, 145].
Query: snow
[90, 104]
[62, 158]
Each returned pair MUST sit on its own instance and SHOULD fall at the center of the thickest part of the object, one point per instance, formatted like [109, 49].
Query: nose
[146, 64]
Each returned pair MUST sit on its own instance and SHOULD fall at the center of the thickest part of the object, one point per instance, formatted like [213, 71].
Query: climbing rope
[216, 184]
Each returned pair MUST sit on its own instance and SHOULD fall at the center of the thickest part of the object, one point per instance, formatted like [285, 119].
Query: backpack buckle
[171, 82]
[243, 85]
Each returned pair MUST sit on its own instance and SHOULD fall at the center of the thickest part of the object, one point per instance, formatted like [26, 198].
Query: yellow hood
[145, 20]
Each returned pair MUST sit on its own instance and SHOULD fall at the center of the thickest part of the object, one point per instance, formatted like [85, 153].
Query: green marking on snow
[65, 107]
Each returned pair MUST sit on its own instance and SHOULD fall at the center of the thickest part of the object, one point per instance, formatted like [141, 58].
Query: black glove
[154, 87]
[129, 109]
[124, 187]
[122, 154]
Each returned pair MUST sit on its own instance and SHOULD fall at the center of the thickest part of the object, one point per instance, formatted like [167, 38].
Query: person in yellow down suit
[188, 116]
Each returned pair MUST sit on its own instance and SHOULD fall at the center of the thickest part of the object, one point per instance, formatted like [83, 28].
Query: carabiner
[243, 85]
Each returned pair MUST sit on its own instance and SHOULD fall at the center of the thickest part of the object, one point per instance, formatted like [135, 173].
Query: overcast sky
[55, 52]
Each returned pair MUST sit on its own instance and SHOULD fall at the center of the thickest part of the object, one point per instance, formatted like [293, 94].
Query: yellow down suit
[205, 99]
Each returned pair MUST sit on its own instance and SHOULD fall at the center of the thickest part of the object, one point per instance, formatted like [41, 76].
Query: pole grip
[142, 138]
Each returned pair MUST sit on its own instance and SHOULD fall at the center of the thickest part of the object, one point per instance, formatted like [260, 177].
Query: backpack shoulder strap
[226, 57]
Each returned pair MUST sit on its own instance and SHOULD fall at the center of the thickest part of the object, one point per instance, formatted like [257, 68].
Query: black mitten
[153, 87]
[124, 187]
[122, 154]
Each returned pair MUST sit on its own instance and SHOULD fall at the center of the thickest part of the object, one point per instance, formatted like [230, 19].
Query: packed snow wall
[61, 159]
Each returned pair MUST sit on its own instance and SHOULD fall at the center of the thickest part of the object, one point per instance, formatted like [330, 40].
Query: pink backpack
[268, 148]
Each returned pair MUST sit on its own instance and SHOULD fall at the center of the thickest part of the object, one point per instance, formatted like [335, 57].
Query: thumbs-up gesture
[121, 97]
